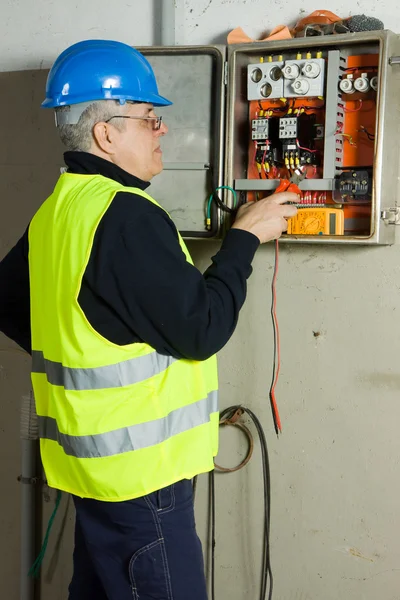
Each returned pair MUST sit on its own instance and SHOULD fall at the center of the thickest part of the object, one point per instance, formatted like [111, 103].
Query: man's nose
[163, 129]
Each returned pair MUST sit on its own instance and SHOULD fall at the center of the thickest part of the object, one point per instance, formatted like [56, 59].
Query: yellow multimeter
[317, 221]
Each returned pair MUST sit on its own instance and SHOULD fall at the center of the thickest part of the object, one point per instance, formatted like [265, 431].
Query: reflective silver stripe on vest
[121, 374]
[134, 437]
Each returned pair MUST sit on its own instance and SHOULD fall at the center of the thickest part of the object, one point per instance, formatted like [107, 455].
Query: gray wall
[335, 469]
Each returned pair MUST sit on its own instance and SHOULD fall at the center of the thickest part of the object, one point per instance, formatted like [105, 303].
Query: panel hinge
[391, 216]
[225, 73]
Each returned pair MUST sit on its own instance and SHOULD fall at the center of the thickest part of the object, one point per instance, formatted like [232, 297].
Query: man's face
[137, 146]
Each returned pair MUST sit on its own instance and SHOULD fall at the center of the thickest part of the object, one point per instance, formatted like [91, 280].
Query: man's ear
[104, 135]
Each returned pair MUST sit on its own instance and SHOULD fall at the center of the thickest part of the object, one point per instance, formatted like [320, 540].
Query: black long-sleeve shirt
[138, 286]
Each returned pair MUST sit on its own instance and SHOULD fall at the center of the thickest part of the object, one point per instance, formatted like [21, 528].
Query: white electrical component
[361, 84]
[374, 83]
[311, 69]
[301, 86]
[346, 85]
[304, 77]
[291, 71]
[259, 129]
[288, 128]
[264, 80]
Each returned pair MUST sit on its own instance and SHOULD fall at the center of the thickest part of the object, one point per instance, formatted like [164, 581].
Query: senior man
[123, 331]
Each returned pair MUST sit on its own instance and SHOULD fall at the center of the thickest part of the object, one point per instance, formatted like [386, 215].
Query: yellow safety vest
[115, 422]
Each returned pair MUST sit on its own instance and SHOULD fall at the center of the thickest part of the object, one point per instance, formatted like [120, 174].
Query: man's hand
[267, 219]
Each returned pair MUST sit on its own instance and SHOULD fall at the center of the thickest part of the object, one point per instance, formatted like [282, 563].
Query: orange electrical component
[359, 128]
[359, 116]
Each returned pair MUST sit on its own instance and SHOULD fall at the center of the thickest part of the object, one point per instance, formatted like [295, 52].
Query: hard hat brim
[154, 99]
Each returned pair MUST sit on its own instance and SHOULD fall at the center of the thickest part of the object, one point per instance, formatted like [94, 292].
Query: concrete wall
[335, 470]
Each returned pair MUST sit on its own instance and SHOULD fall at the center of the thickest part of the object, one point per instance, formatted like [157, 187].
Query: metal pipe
[29, 453]
[28, 492]
[168, 10]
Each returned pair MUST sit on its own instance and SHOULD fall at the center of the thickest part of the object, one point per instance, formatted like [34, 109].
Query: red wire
[302, 148]
[255, 152]
[263, 162]
[371, 68]
[277, 349]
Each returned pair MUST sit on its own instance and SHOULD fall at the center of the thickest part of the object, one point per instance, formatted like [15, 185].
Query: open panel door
[193, 78]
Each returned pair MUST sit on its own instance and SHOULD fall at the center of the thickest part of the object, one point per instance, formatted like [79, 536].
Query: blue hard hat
[101, 70]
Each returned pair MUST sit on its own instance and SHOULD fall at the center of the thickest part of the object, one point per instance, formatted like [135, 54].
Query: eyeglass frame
[157, 120]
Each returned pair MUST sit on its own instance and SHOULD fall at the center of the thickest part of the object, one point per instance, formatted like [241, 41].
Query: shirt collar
[85, 163]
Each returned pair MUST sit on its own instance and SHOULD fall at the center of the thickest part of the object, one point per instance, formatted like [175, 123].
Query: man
[123, 331]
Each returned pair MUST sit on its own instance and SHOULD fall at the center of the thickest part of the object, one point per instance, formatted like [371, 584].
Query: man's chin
[158, 168]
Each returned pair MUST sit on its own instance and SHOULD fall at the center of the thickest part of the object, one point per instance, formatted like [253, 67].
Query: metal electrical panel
[323, 108]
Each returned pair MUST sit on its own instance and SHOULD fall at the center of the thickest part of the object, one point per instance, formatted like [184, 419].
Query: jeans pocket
[163, 500]
[149, 574]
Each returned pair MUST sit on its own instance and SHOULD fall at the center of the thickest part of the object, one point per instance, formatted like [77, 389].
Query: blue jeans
[143, 549]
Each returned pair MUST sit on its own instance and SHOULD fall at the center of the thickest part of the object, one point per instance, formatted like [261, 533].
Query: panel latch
[391, 216]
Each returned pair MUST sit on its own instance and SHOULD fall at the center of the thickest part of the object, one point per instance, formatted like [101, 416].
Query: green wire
[35, 568]
[221, 187]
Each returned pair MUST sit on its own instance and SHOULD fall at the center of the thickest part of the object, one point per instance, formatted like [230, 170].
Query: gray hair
[79, 137]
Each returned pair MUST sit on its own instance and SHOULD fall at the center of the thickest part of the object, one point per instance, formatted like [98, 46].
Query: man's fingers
[283, 197]
[290, 211]
[284, 225]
